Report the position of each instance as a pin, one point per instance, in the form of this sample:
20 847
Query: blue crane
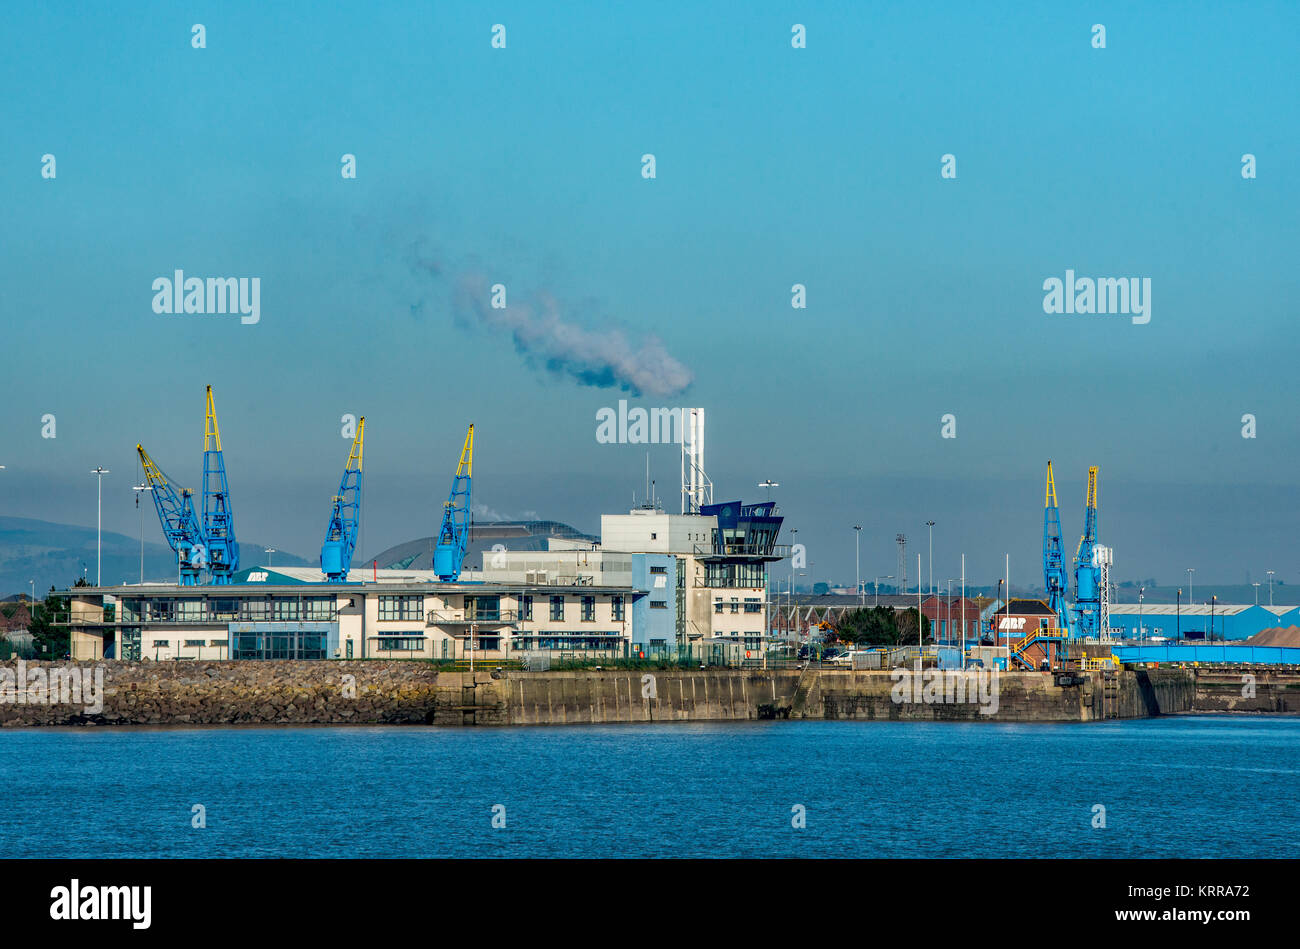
179 523
1055 579
453 536
1087 574
341 535
218 518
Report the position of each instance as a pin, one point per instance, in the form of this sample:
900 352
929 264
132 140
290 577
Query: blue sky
775 166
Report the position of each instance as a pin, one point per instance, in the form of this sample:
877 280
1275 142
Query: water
1176 787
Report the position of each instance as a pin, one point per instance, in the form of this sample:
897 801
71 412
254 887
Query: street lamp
877 585
269 551
1256 586
99 471
1270 588
930 525
1141 590
857 559
1191 590
769 484
1178 616
138 489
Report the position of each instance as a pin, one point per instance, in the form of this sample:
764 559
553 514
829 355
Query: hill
57 555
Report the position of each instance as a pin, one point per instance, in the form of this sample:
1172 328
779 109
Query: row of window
227 609
587 607
753 604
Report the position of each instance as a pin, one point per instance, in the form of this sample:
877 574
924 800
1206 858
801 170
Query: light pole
269 552
878 579
1178 616
949 620
794 536
1141 590
138 489
857 560
769 484
1191 590
32 601
930 525
1256 586
1270 588
99 471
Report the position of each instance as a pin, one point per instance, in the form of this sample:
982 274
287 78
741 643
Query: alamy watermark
59 685
1102 295
978 686
638 426
212 295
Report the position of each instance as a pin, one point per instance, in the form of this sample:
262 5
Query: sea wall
1259 691
404 692
396 692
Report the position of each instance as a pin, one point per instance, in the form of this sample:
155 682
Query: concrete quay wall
405 692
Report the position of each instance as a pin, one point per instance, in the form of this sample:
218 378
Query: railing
459 617
775 551
1099 664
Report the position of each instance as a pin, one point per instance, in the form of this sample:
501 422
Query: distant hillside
57 554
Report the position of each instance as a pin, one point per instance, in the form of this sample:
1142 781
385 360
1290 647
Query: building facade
282 614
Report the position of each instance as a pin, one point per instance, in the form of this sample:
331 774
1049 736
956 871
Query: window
161 611
735 605
293 644
194 642
405 642
557 609
589 609
189 611
658 604
285 610
658 569
526 607
400 607
753 604
162 644
318 608
216 642
223 610
717 605
616 608
483 607
254 611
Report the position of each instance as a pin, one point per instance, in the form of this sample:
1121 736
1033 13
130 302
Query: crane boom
341 534
453 536
218 517
1087 595
179 523
1055 579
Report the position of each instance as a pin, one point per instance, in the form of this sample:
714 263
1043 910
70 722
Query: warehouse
1221 621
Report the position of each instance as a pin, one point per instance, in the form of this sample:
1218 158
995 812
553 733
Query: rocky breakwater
221 693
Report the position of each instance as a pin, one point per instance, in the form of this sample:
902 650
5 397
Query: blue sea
1172 787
